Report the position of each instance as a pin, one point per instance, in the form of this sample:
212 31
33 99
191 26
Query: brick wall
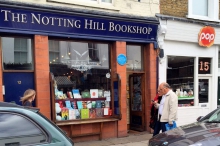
42 74
133 7
151 80
121 70
178 8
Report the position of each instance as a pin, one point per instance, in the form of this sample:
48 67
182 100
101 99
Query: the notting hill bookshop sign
34 22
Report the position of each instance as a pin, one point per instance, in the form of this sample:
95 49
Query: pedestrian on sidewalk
154 111
28 97
167 108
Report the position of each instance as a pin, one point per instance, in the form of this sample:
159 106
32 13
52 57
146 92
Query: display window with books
81 81
180 76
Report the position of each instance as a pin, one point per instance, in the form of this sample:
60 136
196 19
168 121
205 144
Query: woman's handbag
168 127
153 121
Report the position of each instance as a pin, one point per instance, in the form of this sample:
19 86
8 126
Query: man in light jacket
167 108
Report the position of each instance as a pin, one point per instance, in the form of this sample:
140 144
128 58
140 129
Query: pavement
134 138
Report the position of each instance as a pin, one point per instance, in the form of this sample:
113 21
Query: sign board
121 59
206 36
204 65
75 25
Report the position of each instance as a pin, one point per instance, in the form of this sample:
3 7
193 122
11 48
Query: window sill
93 5
202 18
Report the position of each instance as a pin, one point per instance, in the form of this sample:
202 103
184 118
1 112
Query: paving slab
134 138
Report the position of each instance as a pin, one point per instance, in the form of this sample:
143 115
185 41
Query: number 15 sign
204 65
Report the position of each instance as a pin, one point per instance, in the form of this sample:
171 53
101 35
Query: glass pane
218 59
17 57
77 74
23 58
107 1
203 90
200 7
17 53
23 131
180 76
134 58
136 93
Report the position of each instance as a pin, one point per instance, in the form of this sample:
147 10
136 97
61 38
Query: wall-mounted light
162 29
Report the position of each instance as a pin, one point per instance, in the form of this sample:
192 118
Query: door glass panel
136 95
203 90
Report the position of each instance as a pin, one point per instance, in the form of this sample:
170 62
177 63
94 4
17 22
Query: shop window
26 133
17 53
180 76
134 58
82 81
218 59
54 51
203 9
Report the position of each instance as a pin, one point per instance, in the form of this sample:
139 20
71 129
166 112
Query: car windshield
213 117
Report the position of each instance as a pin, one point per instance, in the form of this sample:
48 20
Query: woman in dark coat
154 112
28 97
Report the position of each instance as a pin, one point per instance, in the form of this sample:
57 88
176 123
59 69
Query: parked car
204 132
27 126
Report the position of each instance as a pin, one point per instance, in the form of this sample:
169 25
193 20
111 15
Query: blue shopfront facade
76 25
41 23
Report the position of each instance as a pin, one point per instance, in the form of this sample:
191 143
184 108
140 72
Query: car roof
9 105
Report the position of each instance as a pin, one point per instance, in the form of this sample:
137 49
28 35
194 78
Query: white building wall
181 39
132 7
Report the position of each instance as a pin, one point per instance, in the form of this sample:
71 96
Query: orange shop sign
207 36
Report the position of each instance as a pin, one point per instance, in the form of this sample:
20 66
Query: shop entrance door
136 94
15 84
204 90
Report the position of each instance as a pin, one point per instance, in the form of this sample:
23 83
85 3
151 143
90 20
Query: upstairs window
203 9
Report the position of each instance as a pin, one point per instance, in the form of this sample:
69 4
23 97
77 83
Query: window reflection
134 58
14 125
180 76
84 65
203 90
17 53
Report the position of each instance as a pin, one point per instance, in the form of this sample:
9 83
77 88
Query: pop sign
207 36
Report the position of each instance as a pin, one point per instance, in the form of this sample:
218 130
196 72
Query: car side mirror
199 118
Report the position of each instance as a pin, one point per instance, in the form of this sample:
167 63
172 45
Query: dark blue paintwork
13 90
54 24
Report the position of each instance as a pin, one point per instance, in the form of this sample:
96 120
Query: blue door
15 85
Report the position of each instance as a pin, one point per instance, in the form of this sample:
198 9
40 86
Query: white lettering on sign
207 36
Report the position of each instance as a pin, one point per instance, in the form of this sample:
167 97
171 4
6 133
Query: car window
18 130
212 116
